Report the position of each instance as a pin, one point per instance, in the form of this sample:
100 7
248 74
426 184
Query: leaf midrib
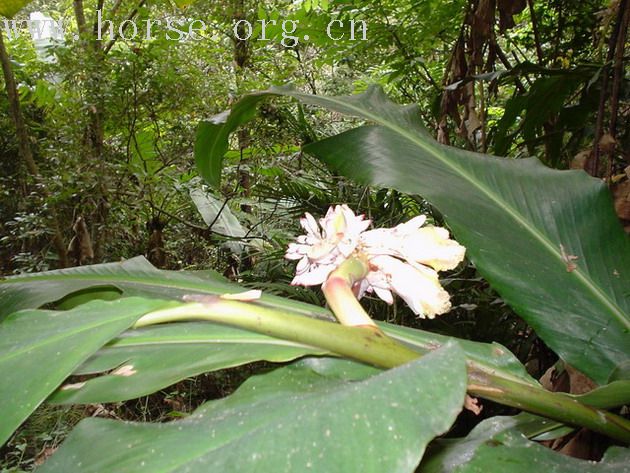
244 341
595 289
205 287
64 335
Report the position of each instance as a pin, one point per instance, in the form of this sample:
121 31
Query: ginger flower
323 249
403 260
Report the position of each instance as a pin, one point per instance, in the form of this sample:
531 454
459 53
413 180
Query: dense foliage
189 149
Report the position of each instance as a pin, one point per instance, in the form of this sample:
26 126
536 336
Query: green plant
533 232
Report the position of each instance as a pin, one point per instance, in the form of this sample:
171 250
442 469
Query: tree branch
131 16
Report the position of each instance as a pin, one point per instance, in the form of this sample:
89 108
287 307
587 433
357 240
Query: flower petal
410 226
404 259
427 245
296 251
310 224
384 294
419 287
302 266
432 246
315 276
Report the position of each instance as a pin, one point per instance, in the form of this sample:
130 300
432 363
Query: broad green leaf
134 277
211 142
138 277
500 444
298 418
40 348
214 212
534 233
9 8
491 357
614 394
163 355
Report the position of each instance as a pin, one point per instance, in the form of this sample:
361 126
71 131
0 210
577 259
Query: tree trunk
94 131
24 143
242 57
16 111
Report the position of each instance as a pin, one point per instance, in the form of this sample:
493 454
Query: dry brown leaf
44 455
481 28
579 383
81 244
507 9
607 143
580 160
472 404
621 196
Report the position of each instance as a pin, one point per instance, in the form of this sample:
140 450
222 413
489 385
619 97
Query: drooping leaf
545 98
534 233
39 349
138 277
309 416
214 212
134 277
211 142
501 444
491 356
163 355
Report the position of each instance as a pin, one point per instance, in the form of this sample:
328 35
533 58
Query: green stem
373 347
338 292
557 406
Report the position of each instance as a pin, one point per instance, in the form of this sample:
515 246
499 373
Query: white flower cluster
404 259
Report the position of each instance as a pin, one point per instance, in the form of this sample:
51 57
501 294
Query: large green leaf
489 357
308 417
138 277
179 344
211 142
500 444
186 352
39 349
163 355
219 218
9 8
548 241
134 277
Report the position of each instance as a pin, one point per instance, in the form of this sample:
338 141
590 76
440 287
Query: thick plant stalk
373 347
338 292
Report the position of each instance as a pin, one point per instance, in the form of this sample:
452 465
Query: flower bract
404 260
326 245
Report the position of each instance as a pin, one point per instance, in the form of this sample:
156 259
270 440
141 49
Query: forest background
98 134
